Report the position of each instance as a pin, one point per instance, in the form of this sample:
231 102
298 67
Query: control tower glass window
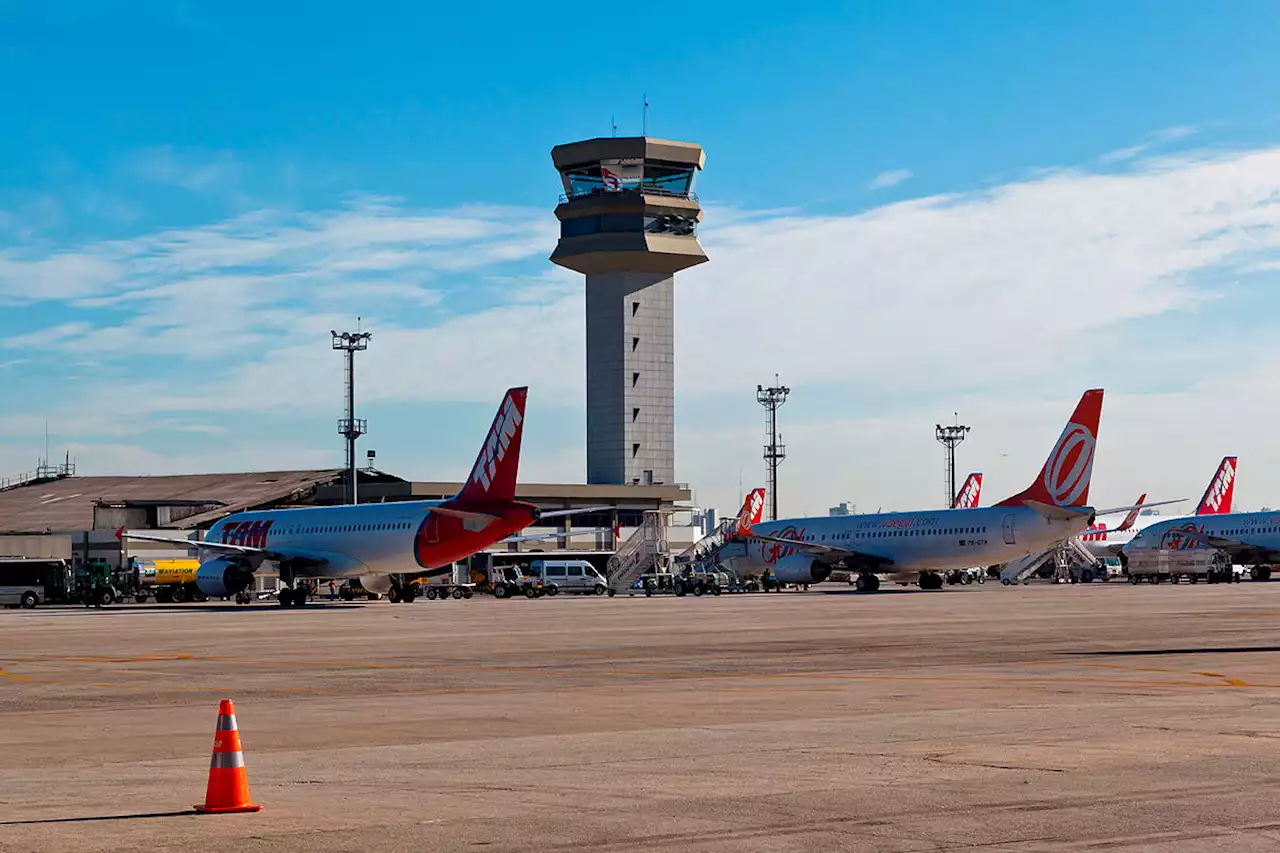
667 180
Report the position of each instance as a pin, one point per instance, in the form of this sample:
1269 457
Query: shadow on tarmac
1234 650
99 817
201 608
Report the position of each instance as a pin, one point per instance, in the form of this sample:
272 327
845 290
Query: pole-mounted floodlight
351 427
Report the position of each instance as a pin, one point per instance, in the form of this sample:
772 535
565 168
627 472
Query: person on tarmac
333 592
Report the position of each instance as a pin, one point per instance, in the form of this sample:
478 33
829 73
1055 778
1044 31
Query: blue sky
912 208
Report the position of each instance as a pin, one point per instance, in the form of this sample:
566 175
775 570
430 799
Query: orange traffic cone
228 789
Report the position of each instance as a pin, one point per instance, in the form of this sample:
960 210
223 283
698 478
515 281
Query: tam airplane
374 542
1247 537
1217 500
967 497
917 544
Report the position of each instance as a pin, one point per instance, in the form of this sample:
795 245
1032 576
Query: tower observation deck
628 221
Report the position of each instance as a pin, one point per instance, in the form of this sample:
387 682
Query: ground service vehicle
568 576
27 583
168 581
1194 565
510 581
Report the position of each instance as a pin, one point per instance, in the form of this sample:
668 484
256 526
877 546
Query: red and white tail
1064 479
752 511
1222 488
967 497
1132 517
493 477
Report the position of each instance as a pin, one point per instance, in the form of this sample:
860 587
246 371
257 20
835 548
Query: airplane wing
1131 507
294 555
562 512
557 534
827 553
196 543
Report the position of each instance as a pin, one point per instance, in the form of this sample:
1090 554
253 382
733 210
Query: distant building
844 508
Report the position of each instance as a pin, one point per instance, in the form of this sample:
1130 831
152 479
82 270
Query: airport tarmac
1034 718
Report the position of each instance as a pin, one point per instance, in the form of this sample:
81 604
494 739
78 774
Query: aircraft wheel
393 595
1260 573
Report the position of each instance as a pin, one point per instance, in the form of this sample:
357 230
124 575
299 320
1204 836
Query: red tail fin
1064 479
1133 514
1222 488
967 497
752 511
493 477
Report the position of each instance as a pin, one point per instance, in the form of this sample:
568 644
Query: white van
569 576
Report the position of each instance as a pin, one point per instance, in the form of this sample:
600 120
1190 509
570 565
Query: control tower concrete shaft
629 221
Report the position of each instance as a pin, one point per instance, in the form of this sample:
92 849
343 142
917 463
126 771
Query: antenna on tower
645 122
613 120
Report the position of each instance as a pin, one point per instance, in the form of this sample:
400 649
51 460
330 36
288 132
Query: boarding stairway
719 550
1070 559
646 550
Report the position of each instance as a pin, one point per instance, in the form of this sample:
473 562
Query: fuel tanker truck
169 581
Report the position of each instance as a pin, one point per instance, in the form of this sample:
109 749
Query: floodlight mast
351 427
775 451
950 437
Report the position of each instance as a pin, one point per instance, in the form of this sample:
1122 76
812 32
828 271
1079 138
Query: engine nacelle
378 584
222 578
801 568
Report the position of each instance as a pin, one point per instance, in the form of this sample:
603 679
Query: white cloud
971 302
889 179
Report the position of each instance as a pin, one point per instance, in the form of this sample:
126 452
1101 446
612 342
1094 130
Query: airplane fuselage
1258 531
370 539
912 542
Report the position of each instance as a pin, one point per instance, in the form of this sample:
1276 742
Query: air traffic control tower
629 221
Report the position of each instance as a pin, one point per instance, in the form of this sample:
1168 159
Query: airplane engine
222 578
801 568
379 584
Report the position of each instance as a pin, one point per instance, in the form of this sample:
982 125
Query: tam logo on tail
752 511
969 493
1222 488
493 477
1064 479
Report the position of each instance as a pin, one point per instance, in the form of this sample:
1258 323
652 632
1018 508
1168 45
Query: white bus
26 583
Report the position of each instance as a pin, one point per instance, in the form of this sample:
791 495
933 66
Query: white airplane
1249 538
376 542
1217 500
918 544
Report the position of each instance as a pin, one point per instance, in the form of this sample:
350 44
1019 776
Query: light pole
775 451
950 436
351 427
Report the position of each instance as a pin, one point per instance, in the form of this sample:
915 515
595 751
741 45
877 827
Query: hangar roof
67 504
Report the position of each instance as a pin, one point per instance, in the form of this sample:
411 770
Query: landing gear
393 595
866 582
1260 573
930 580
243 597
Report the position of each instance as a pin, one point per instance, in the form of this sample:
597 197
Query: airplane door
1008 530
